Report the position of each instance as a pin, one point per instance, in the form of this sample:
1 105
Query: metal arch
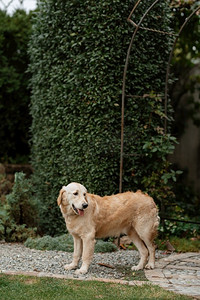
137 26
169 63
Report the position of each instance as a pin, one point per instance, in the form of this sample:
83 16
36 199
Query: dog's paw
137 268
149 266
69 267
81 271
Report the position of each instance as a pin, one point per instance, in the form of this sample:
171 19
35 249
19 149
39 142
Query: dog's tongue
81 212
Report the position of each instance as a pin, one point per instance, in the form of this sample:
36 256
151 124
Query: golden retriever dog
89 216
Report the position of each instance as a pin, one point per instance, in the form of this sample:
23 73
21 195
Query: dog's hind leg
77 253
151 247
132 234
149 236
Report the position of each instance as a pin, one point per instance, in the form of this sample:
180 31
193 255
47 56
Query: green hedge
78 50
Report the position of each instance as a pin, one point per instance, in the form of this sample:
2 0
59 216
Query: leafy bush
180 229
19 233
78 51
64 243
102 246
60 243
21 206
18 216
12 232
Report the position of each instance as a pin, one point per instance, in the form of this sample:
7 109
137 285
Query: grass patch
32 288
129 275
180 244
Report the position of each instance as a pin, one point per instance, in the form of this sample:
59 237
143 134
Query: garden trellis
138 26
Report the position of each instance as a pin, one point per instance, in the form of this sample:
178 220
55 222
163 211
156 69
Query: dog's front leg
77 253
88 251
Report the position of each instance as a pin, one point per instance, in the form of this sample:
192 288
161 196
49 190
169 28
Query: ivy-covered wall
78 50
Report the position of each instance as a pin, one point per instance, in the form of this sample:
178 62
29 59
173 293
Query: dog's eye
75 193
84 194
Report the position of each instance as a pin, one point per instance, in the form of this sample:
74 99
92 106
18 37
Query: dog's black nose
85 205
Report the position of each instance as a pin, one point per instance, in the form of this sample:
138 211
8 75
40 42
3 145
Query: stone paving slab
179 273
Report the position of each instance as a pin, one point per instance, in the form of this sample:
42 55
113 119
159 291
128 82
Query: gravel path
176 272
16 257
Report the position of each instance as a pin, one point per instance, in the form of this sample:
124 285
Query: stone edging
59 276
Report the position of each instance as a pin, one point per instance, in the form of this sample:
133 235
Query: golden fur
89 216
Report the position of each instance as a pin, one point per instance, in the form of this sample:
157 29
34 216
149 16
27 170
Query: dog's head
73 196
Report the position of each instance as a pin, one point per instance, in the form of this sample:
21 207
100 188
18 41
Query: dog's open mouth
78 211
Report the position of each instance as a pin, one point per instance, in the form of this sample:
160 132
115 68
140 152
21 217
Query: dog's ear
86 197
59 200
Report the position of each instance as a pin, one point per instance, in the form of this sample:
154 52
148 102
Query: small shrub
19 233
21 205
12 232
60 243
102 246
18 215
4 222
64 243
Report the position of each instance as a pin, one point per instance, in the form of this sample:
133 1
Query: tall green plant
22 208
78 51
18 214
